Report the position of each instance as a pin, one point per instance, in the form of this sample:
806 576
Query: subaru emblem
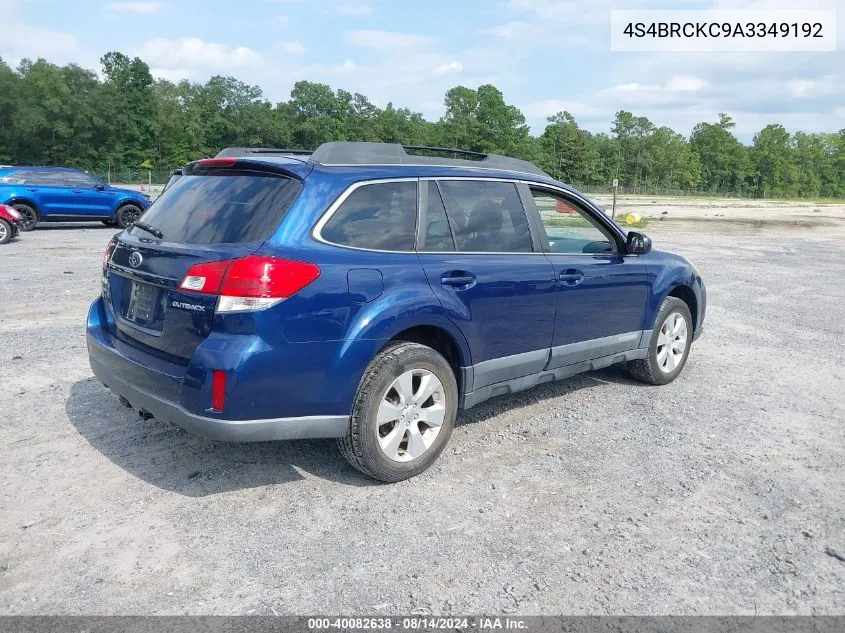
135 259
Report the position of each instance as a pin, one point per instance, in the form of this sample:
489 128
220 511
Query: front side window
568 227
80 180
379 216
486 216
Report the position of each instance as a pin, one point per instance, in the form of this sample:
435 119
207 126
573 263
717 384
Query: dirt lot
723 492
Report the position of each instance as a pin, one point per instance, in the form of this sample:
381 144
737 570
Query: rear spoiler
296 169
262 151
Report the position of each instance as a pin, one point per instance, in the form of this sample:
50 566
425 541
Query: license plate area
145 306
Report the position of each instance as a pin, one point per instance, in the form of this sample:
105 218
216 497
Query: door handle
571 277
458 279
77 191
31 189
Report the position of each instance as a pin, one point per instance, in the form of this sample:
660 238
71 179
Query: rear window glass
221 208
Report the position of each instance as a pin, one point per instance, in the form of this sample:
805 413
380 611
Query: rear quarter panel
17 193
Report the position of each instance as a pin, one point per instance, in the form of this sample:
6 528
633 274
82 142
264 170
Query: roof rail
234 152
360 153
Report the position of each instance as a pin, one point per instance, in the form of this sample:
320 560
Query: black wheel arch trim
25 201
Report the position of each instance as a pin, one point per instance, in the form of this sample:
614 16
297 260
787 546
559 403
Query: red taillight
107 253
250 283
205 278
217 162
218 390
256 276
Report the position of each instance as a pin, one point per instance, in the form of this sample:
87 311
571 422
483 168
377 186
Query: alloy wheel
28 218
129 214
410 415
671 342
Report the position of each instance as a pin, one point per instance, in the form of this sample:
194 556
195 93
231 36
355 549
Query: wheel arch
24 200
441 341
687 295
125 202
412 313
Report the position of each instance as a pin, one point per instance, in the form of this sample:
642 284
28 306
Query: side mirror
638 244
100 186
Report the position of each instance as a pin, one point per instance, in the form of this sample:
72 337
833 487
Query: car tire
29 216
669 347
397 383
127 214
6 232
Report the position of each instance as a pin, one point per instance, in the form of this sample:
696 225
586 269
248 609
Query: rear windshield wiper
149 228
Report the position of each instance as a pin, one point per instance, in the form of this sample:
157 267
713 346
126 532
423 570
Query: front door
88 196
602 293
479 258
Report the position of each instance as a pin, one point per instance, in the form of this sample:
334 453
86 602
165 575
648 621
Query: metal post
615 187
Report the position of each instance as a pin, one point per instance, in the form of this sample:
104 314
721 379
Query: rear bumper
157 393
109 373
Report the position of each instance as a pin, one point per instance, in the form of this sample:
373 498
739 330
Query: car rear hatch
219 211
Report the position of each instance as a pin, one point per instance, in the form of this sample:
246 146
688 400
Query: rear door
209 216
602 292
476 247
47 188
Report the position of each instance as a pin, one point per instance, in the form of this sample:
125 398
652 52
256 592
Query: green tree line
68 115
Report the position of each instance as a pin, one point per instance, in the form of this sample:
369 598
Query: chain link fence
663 191
139 177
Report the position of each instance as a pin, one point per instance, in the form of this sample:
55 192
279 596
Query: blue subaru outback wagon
367 293
60 194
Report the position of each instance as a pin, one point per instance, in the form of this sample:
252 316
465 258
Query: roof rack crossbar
446 150
362 153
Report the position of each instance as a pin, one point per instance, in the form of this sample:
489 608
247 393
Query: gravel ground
722 493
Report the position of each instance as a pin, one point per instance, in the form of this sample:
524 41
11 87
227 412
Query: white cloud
353 8
340 7
346 68
135 7
384 40
678 84
293 48
193 52
448 67
32 42
510 31
685 83
804 88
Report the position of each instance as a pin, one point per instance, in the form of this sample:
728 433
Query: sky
544 55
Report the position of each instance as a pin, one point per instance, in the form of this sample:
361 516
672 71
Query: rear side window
43 178
223 208
486 216
379 216
15 178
